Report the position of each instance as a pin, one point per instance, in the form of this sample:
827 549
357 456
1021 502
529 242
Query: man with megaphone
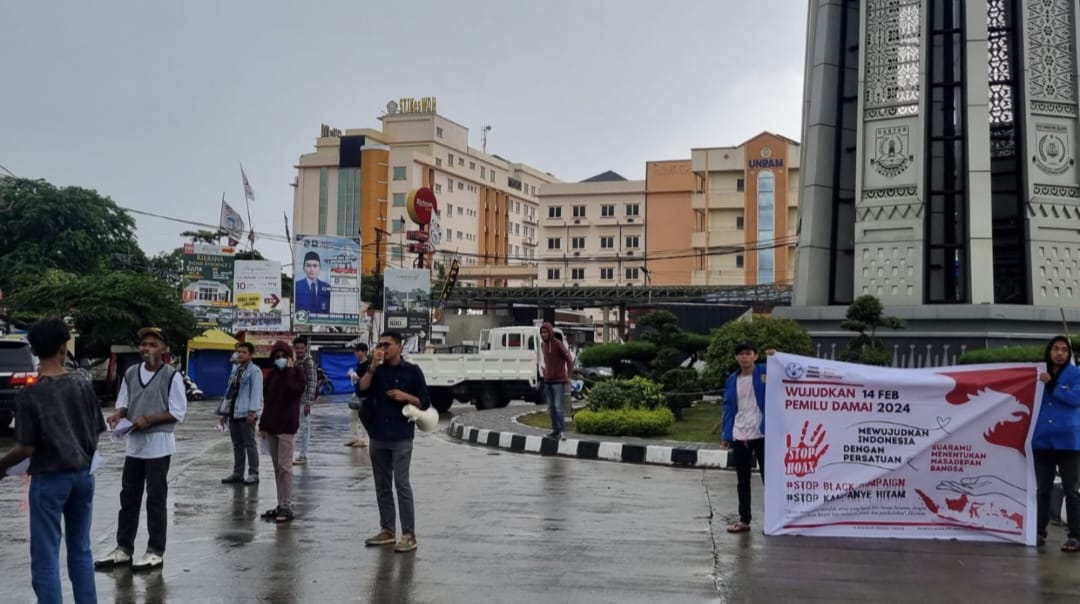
391 383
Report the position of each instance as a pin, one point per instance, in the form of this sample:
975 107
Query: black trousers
153 475
1047 462
745 452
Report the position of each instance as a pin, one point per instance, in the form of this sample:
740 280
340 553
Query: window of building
577 243
438 162
577 274
633 209
492 176
555 212
517 228
399 172
461 161
460 210
766 184
607 243
460 186
740 185
449 234
450 159
450 185
396 253
579 211
633 242
399 226
399 200
554 243
553 274
472 165
632 274
438 131
483 171
607 211
532 190
449 209
739 223
739 261
607 274
438 188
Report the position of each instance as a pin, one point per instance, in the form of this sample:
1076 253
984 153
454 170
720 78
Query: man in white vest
152 398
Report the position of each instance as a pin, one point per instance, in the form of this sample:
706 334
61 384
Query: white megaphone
427 420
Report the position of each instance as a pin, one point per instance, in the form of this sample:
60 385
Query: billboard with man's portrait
326 281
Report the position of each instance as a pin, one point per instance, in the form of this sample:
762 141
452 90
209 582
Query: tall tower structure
939 154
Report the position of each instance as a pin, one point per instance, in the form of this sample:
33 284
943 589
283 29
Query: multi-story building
669 220
592 233
746 212
357 182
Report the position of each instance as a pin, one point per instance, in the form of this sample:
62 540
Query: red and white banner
862 451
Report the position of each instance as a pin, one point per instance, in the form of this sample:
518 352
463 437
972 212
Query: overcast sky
156 104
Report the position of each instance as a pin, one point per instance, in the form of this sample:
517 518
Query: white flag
231 222
249 193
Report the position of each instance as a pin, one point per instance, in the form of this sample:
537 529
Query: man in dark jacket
282 389
1055 442
558 370
390 382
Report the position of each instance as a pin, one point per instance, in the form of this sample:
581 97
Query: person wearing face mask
282 390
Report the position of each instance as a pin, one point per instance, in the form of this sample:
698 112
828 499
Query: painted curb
591 449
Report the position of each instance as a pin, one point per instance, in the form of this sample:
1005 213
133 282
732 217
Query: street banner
407 301
326 280
259 305
207 282
862 451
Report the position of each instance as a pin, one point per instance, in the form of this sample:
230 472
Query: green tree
168 267
781 334
865 316
204 236
73 229
107 308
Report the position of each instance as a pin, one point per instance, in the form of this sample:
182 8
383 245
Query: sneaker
407 543
383 538
299 461
230 479
148 561
251 480
117 557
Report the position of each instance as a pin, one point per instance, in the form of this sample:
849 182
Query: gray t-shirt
61 419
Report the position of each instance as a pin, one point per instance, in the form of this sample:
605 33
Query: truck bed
484 366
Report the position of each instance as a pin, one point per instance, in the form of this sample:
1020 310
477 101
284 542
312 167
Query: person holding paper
239 411
153 394
57 427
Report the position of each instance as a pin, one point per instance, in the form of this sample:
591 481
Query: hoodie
558 363
1058 425
282 390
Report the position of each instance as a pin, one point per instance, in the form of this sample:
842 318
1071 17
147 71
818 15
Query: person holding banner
1055 442
744 425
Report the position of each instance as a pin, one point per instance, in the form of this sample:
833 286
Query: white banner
862 451
259 305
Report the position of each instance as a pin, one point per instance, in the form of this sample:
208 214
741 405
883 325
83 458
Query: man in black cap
153 400
312 295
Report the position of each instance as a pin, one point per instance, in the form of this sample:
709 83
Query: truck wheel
502 403
441 399
488 399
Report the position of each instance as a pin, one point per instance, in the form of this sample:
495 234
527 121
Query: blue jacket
387 422
1058 425
249 397
731 399
313 302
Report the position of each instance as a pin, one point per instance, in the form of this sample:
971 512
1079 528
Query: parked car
18 370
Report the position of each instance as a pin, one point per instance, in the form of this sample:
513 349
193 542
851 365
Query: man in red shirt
558 369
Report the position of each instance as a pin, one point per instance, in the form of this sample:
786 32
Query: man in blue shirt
1055 443
390 383
312 295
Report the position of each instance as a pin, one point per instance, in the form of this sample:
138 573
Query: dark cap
745 346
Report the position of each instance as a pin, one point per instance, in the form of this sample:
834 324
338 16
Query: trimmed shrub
635 393
680 385
1003 354
624 422
784 335
613 354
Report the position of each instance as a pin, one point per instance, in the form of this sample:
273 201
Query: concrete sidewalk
500 428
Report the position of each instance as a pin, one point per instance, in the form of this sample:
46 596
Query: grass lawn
694 426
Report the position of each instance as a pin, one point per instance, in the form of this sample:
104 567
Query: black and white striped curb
591 449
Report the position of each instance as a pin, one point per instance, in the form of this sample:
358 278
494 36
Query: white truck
507 367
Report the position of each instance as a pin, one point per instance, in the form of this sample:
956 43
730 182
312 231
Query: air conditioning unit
577 253
630 220
630 253
577 221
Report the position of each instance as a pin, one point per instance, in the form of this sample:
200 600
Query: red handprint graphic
803 458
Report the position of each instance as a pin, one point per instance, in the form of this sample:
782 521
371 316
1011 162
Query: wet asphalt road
505 527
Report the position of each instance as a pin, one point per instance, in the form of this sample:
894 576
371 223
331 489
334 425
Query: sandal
269 514
738 527
284 515
1072 545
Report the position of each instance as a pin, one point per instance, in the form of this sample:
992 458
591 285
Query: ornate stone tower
939 154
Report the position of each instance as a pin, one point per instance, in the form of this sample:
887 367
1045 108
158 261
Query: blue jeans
303 436
53 494
554 392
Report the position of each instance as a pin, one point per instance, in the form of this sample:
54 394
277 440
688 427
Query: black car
18 369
